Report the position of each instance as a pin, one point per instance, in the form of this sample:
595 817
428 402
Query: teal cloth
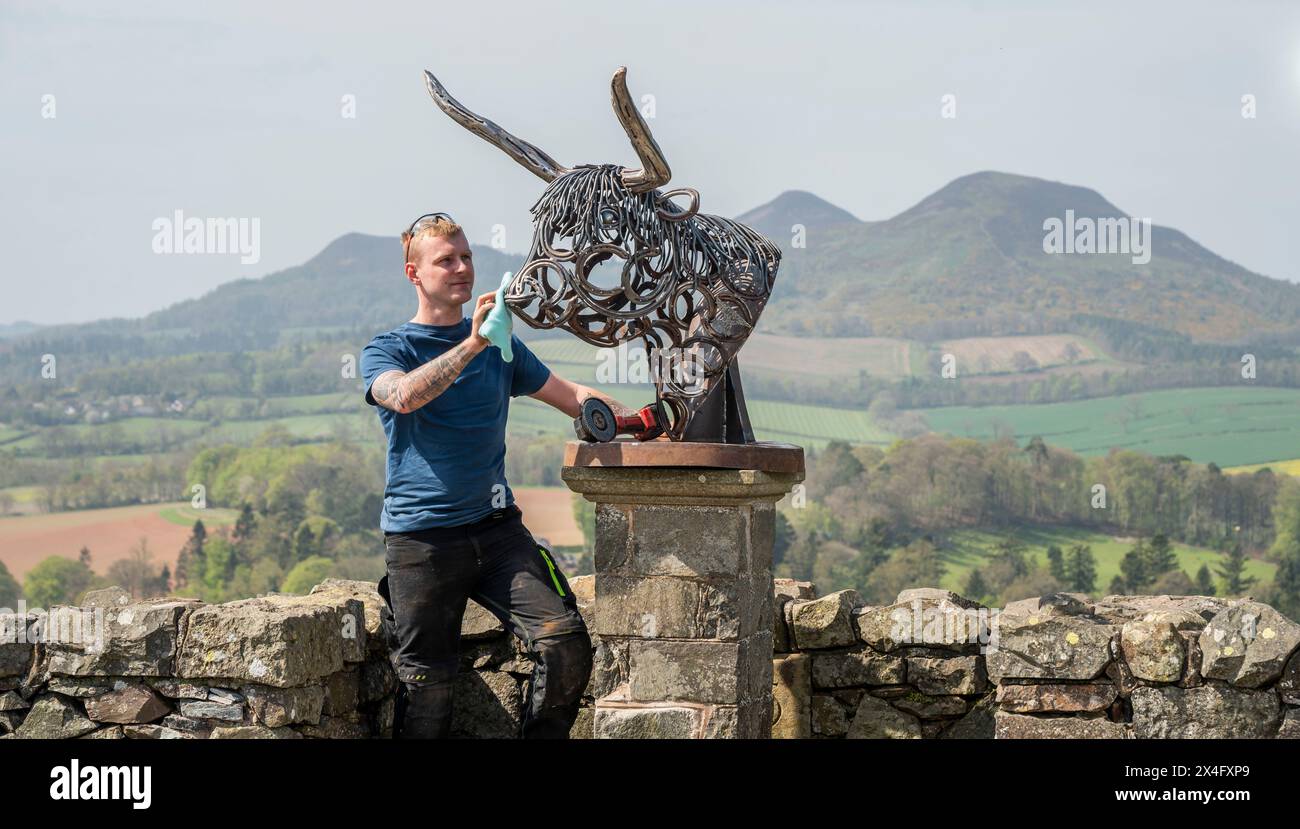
496 328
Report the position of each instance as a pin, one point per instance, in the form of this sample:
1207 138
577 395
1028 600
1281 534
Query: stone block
828 717
1153 650
854 667
274 707
923 621
613 552
342 692
948 675
54 718
792 697
1212 711
137 640
583 724
488 705
610 666
658 722
1248 644
1008 726
1117 610
1289 684
928 707
372 605
675 608
1049 647
205 710
275 640
826 622
132 703
978 723
876 719
751 721
706 672
794 589
479 623
253 732
694 542
1056 698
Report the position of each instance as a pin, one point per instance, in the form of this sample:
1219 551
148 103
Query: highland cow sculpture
689 285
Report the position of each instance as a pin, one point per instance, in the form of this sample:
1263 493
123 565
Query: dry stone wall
936 665
930 665
272 667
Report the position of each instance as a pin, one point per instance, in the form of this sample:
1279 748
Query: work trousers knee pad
563 670
423 709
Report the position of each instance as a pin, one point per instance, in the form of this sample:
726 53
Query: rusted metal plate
766 457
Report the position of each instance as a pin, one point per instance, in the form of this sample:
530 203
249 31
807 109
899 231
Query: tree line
878 519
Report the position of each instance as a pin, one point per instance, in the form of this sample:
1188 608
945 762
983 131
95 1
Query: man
451 528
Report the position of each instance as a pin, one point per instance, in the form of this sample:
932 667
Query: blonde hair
429 229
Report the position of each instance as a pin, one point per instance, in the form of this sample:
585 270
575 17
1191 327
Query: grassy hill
778 218
1227 426
969 259
350 290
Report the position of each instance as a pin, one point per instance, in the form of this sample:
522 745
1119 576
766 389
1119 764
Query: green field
1288 467
806 425
1230 427
1240 427
879 357
210 516
970 549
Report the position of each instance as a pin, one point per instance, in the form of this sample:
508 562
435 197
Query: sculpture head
614 259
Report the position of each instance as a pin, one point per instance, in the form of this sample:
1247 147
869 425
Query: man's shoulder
392 335
395 342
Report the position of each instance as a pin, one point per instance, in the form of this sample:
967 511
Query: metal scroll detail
615 260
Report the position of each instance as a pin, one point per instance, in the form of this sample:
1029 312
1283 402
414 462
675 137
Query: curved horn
654 168
541 164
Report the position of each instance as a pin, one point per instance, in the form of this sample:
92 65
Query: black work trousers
497 562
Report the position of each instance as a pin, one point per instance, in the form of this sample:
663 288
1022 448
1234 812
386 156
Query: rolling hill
969 260
352 287
796 207
965 261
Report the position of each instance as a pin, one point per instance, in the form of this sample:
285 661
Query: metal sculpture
691 286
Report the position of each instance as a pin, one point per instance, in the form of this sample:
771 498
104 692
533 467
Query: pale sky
234 109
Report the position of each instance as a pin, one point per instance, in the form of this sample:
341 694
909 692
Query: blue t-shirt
447 459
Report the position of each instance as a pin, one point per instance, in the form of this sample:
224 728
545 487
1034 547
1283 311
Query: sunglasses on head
410 231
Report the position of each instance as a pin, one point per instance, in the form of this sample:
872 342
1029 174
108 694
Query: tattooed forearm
406 392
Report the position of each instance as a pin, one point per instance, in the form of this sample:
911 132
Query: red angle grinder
597 423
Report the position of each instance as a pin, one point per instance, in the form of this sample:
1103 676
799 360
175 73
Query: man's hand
482 306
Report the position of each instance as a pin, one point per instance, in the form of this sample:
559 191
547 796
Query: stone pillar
683 560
